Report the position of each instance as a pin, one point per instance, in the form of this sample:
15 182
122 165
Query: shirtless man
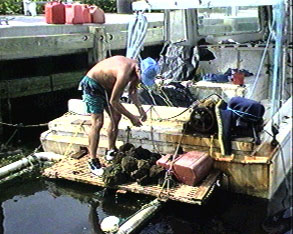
102 88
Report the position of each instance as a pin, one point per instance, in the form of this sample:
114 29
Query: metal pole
278 14
285 51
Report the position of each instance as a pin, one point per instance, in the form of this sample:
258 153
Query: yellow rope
152 130
211 151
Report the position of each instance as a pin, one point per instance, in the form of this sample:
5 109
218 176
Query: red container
97 14
86 14
238 78
73 14
189 168
55 13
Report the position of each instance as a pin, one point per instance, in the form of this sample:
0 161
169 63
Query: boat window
177 30
228 20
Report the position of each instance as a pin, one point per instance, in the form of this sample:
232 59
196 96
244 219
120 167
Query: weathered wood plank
100 45
251 179
48 45
124 27
66 80
24 87
27 55
118 40
41 84
77 170
166 132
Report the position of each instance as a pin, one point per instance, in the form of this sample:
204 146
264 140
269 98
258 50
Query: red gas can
55 13
86 14
238 78
73 14
97 14
189 168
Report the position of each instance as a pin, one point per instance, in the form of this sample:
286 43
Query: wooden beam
47 45
99 51
124 27
118 40
41 84
24 87
100 45
66 80
166 134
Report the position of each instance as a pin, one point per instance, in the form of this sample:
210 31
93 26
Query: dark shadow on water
66 207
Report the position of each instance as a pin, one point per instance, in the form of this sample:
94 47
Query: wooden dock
27 37
30 37
77 170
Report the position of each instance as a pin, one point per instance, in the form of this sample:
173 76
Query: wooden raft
77 170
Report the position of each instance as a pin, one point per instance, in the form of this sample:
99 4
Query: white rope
261 64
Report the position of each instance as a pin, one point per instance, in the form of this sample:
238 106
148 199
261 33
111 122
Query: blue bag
149 69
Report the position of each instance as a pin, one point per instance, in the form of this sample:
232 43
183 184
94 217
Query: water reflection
101 202
279 218
87 197
64 207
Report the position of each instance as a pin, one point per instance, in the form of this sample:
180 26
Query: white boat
261 30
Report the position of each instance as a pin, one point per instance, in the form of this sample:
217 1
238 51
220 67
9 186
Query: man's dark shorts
93 95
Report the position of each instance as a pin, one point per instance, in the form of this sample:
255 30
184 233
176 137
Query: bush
108 6
12 7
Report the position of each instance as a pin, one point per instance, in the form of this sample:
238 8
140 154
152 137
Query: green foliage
108 6
12 7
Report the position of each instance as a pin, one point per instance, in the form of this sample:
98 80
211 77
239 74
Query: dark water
46 206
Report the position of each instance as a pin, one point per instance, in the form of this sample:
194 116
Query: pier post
99 51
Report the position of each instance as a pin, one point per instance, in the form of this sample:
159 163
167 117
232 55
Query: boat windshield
228 20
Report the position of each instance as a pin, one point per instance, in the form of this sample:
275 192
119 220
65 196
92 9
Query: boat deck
78 171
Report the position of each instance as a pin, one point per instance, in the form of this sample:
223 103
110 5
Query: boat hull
251 169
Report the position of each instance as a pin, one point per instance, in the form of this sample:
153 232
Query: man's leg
113 128
94 137
97 121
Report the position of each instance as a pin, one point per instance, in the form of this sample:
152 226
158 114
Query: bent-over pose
102 88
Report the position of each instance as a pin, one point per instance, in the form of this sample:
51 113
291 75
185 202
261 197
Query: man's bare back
109 70
114 74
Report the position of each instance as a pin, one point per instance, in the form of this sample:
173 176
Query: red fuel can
189 168
238 78
97 14
73 14
55 13
86 14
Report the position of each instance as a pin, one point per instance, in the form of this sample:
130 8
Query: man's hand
135 121
143 115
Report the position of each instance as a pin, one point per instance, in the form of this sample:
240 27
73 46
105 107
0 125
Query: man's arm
133 96
122 80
